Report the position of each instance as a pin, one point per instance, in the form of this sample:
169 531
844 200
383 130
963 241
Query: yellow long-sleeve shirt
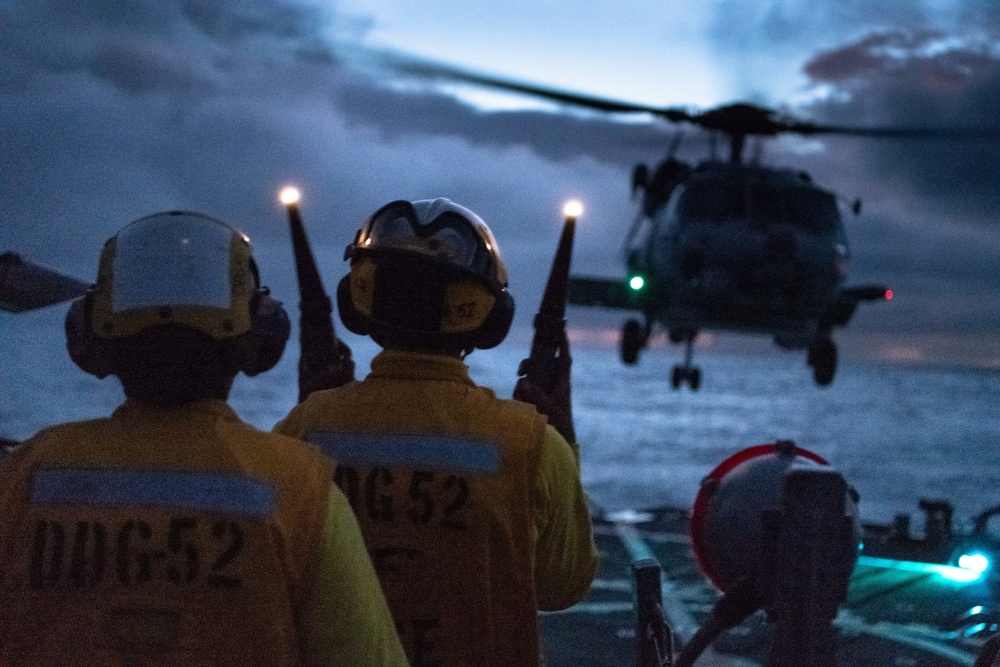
471 506
182 536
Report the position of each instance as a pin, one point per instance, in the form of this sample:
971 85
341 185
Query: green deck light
949 572
975 561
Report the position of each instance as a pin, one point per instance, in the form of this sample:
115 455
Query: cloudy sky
110 110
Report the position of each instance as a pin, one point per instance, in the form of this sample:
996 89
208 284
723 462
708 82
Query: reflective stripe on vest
198 491
427 452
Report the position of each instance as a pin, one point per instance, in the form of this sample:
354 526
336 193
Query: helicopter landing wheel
631 342
685 374
822 356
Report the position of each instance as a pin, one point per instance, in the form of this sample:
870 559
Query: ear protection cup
259 349
269 331
354 321
491 333
497 323
91 353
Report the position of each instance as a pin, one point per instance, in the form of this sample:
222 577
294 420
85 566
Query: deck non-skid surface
893 616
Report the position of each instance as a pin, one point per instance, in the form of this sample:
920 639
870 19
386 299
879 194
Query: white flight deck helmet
177 268
428 272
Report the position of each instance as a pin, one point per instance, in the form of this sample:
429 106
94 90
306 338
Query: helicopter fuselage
745 249
740 248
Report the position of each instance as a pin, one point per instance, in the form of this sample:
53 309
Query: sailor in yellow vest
172 533
471 505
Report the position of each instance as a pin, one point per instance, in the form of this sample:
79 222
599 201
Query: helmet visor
450 237
164 261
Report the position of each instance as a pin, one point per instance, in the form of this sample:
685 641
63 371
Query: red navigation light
888 295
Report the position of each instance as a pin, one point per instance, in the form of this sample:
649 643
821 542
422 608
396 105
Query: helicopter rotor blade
427 69
734 120
952 133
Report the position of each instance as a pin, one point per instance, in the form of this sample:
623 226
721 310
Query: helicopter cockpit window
712 201
809 209
768 204
812 209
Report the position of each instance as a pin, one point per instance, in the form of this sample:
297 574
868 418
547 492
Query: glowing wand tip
290 196
573 209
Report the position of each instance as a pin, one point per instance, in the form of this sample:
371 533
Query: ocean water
897 433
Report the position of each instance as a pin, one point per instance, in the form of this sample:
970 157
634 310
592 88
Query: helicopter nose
691 263
776 276
780 245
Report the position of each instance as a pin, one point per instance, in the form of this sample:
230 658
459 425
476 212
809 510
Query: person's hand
316 377
556 404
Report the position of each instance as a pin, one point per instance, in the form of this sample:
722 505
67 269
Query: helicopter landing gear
634 337
822 356
686 373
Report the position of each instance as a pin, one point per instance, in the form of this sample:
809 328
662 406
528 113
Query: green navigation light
636 283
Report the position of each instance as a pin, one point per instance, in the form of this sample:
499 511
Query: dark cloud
235 20
755 42
925 78
792 25
146 68
554 136
928 59
113 111
110 116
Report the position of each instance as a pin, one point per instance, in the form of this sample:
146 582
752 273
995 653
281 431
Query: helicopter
725 244
733 246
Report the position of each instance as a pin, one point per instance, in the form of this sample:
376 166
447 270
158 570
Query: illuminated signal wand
547 366
324 360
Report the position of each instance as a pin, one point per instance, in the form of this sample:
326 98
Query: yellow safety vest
441 475
158 536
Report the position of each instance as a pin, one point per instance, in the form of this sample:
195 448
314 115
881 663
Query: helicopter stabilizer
602 292
844 307
28 286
